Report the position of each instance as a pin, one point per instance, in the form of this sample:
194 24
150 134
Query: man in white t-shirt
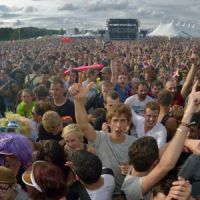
138 101
88 169
148 125
146 168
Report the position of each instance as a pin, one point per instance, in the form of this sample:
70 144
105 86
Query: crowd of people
128 130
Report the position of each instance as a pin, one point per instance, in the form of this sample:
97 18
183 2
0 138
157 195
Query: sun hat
28 176
7 176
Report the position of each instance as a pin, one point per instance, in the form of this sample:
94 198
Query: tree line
26 33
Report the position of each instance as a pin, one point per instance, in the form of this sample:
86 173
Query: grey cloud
94 13
4 8
46 19
105 5
58 22
30 9
50 22
68 6
16 9
10 15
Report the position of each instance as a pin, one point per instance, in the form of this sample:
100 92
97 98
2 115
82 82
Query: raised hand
194 58
78 91
105 127
194 100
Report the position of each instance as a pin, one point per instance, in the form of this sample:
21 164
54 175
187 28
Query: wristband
180 130
185 124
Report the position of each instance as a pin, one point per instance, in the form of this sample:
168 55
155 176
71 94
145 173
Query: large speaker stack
123 29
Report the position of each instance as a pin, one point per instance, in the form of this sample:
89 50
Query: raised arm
190 77
79 92
175 147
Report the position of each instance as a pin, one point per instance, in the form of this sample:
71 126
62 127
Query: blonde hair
72 128
50 119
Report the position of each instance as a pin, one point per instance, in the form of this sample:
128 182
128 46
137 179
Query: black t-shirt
44 135
67 109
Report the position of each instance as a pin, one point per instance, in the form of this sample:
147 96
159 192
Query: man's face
171 87
142 92
151 117
110 102
155 90
122 80
118 125
56 91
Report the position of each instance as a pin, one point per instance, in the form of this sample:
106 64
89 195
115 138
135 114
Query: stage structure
123 29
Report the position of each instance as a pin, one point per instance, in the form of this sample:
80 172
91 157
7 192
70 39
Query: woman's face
26 97
73 141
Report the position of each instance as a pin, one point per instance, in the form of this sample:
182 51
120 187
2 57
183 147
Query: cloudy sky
91 14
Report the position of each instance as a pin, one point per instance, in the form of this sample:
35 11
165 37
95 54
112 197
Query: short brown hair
152 105
42 106
119 109
57 80
142 83
143 153
165 98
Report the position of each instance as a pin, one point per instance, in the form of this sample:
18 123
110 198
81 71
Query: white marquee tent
175 30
